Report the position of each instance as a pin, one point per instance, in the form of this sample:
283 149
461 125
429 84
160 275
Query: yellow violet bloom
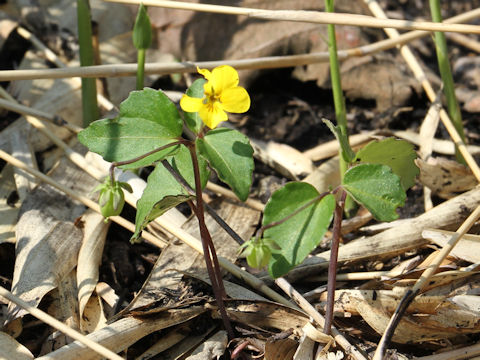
222 94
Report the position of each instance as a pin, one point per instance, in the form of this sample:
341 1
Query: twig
84 200
254 204
309 16
47 319
318 318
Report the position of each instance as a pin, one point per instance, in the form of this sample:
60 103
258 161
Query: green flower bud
258 252
112 198
142 30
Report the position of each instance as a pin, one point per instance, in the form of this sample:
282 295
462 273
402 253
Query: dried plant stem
465 41
47 319
254 204
83 199
255 63
309 16
318 318
25 110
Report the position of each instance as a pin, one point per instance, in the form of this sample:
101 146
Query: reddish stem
211 260
332 266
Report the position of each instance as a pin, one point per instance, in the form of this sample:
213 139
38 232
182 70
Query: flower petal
212 114
223 77
190 104
205 73
235 100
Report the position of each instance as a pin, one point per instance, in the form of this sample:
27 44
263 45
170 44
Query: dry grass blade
309 16
59 325
254 63
25 110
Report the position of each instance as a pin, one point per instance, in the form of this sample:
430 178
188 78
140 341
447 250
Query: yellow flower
222 94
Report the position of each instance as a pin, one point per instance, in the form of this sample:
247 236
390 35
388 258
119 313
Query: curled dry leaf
464 248
46 252
90 255
445 177
12 349
440 313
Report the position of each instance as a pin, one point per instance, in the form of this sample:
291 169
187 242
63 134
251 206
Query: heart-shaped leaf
153 105
229 152
301 233
398 154
147 120
125 139
377 188
161 194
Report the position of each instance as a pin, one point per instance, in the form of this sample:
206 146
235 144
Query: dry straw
115 70
310 16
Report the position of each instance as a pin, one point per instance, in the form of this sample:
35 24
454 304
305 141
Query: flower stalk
447 78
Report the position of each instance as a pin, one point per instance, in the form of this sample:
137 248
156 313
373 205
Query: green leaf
377 188
347 153
142 30
398 154
193 120
161 194
301 233
125 139
229 152
182 163
147 121
153 105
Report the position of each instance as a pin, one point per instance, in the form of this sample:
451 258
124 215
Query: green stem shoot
338 98
140 68
447 78
87 58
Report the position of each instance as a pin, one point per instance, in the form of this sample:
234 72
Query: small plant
297 217
148 131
